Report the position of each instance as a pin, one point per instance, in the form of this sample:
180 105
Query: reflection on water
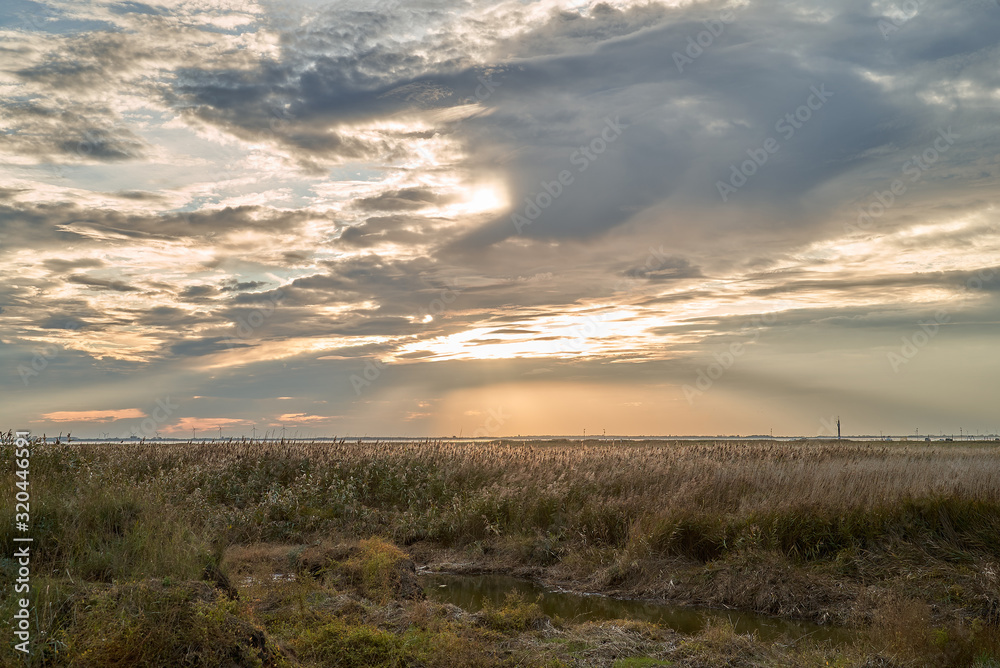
470 591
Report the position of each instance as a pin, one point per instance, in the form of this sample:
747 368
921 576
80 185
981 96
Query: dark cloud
62 321
352 94
77 135
198 292
65 266
101 283
382 229
657 269
43 225
141 195
955 280
169 317
204 346
561 82
402 200
237 286
133 8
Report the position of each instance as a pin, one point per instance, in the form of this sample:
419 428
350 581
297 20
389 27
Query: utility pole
838 427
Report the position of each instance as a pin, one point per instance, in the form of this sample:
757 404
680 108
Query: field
154 554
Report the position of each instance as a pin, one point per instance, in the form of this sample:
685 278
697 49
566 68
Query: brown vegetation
900 540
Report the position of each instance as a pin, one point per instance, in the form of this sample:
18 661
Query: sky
499 218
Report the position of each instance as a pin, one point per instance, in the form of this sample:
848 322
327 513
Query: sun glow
480 199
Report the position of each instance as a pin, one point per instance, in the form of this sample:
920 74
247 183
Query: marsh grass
120 515
699 500
142 624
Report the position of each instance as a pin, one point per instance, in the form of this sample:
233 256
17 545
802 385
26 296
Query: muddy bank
476 593
375 583
850 595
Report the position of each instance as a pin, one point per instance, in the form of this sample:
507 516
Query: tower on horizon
838 427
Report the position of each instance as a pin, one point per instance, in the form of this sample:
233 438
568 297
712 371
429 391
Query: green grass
515 615
122 533
144 624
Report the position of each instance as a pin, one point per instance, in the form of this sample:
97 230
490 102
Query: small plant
380 570
516 615
337 643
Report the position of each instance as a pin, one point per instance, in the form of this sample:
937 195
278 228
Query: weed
516 615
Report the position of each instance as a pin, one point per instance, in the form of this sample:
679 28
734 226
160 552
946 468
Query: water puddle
469 592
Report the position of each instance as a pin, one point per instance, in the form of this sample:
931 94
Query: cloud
401 200
94 416
61 266
348 177
62 321
117 286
